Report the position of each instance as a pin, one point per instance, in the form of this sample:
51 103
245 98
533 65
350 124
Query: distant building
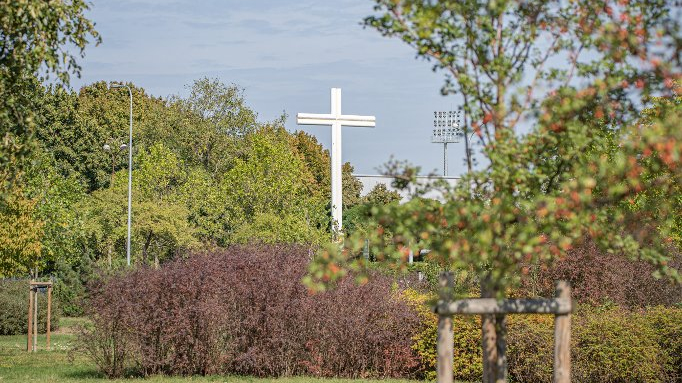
369 181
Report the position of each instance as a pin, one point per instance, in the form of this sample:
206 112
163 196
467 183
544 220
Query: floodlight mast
447 128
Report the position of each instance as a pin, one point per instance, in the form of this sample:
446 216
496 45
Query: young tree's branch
531 87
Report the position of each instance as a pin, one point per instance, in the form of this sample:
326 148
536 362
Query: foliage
161 227
69 287
37 225
78 125
318 161
355 217
14 303
466 362
548 88
598 277
20 245
539 192
251 316
608 344
380 195
531 347
271 179
34 35
613 345
666 322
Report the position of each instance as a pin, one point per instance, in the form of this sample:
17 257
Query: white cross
336 120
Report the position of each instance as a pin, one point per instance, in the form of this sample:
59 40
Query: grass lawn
17 365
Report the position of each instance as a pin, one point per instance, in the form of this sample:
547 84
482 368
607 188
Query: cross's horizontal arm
328 119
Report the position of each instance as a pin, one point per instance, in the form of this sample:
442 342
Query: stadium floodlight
447 128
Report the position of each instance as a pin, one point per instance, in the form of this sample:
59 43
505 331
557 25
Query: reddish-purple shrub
598 277
244 311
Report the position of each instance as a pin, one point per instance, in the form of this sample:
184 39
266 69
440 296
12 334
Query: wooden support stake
445 338
30 318
49 314
36 322
488 335
501 346
562 338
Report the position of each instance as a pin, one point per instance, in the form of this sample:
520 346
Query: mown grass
55 366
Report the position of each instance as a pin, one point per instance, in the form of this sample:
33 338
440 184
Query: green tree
34 36
319 163
39 227
380 195
20 234
358 217
214 119
270 179
77 125
162 225
161 228
574 74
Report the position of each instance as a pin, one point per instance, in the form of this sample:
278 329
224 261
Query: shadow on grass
83 373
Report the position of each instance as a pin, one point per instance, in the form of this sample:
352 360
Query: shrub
69 287
613 345
14 308
667 323
244 311
467 356
608 345
598 278
530 343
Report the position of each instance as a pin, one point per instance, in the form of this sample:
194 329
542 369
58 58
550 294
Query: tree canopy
37 38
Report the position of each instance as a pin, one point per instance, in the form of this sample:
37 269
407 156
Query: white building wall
369 181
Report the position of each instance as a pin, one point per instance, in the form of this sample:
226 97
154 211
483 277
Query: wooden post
488 338
30 318
445 339
49 314
562 338
36 322
501 348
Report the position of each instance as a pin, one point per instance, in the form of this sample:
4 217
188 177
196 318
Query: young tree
547 88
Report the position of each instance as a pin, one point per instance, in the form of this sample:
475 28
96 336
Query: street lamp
130 167
446 129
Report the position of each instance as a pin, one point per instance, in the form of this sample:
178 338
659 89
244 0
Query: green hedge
14 308
607 345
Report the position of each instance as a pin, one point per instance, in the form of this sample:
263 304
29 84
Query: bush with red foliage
245 311
598 277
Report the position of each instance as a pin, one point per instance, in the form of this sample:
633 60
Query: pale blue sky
286 54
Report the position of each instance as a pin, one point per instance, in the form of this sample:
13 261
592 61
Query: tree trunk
109 254
145 248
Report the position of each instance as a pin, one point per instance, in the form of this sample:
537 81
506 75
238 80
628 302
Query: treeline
206 173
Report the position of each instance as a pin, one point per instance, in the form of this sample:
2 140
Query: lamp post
446 129
130 167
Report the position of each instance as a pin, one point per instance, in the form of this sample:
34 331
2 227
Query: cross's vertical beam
336 162
336 120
